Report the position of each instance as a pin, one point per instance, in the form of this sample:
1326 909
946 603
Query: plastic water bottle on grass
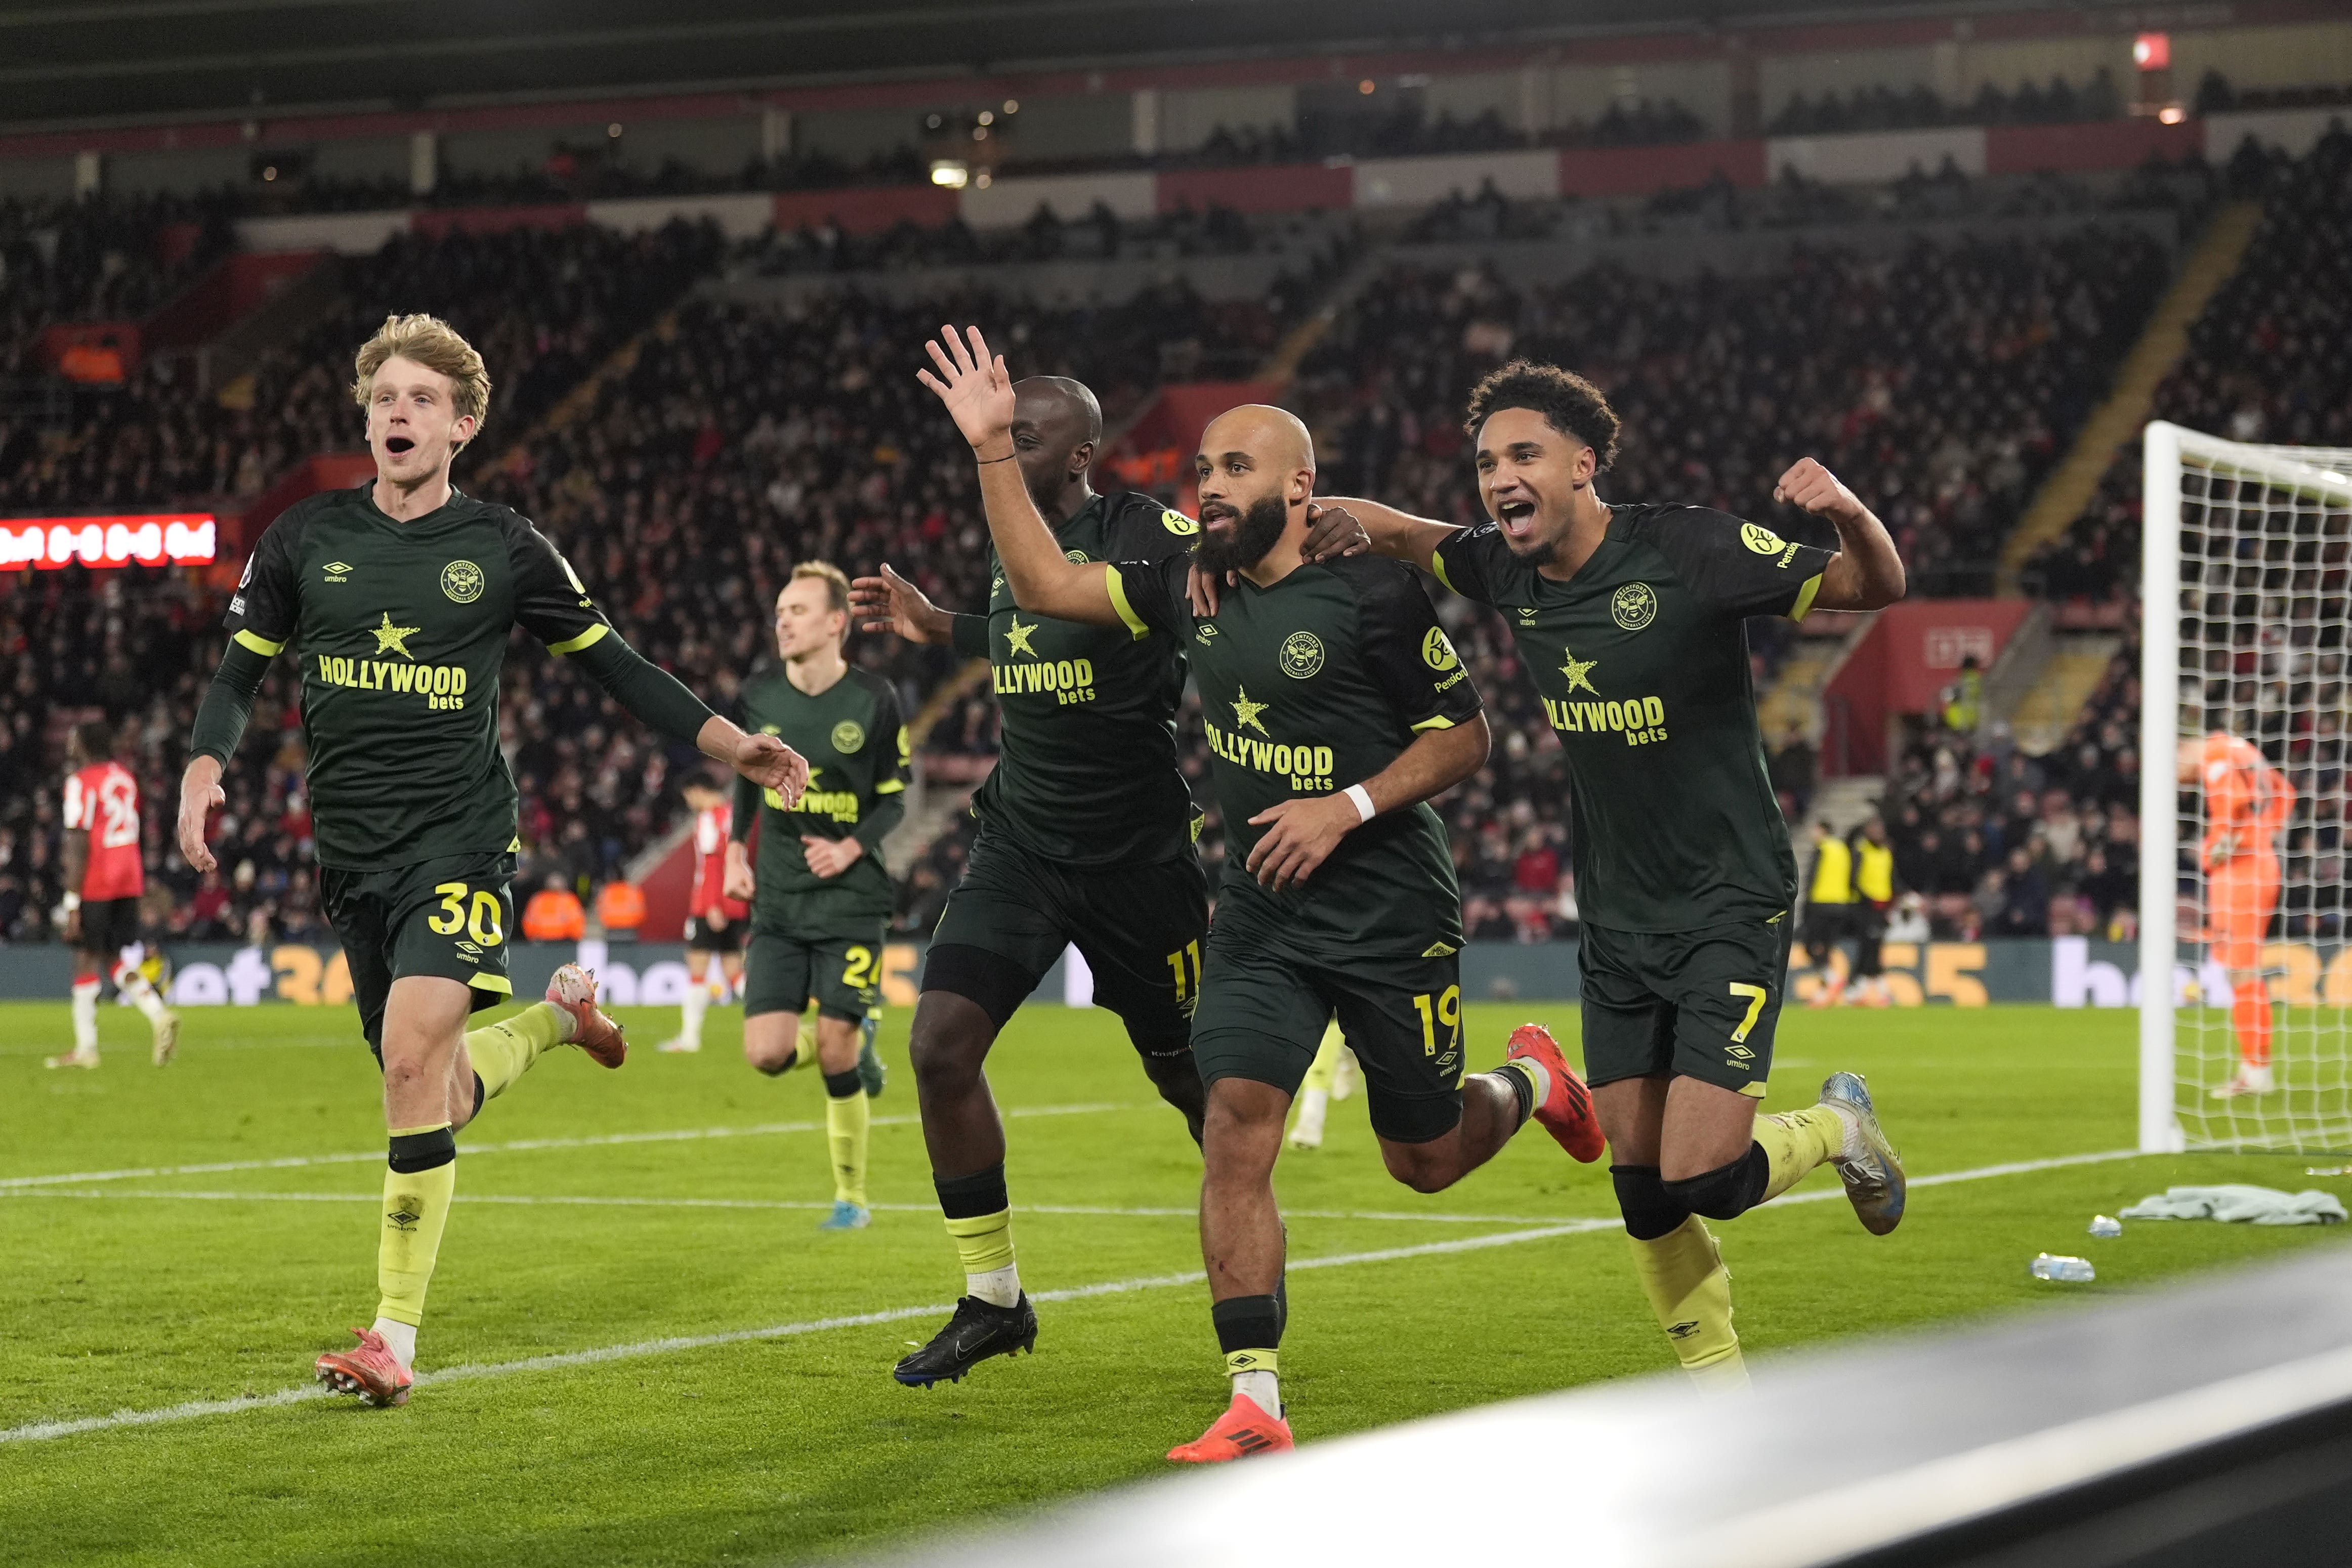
2071 1271
2105 1227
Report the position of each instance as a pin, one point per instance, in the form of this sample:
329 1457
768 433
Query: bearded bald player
1087 835
1335 708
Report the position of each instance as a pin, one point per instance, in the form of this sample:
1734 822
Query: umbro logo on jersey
468 949
338 571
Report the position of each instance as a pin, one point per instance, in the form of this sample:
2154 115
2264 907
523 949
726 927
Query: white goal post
2243 633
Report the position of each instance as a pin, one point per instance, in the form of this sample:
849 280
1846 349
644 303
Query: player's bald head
1058 408
1273 438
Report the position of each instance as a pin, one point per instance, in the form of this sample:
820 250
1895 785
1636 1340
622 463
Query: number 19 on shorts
1441 1020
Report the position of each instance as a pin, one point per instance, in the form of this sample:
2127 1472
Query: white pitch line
567 1199
518 1145
39 1431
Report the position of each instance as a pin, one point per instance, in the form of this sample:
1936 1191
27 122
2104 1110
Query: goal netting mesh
2243 605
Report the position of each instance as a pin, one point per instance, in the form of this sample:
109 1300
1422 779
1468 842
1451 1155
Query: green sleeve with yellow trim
650 693
890 752
228 701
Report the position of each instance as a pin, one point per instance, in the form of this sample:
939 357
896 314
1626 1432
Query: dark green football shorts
844 974
1138 928
1263 1013
447 917
1700 1004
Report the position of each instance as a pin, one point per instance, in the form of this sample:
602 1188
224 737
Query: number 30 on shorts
480 921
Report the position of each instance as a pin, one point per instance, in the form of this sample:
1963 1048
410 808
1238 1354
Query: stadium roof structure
98 61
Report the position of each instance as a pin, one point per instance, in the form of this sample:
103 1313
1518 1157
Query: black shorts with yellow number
446 917
844 974
1138 928
1262 1014
1700 1004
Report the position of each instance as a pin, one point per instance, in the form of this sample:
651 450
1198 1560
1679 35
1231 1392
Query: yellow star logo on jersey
1575 670
1245 712
394 639
1016 637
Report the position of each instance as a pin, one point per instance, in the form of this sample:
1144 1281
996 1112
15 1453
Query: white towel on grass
2248 1205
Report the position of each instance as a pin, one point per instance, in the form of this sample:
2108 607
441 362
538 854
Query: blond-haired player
397 598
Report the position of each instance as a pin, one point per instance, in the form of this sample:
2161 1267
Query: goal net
2242 870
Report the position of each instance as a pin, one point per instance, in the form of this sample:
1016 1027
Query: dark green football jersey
1307 687
856 749
1642 662
1087 770
401 630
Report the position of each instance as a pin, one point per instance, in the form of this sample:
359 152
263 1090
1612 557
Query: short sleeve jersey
1641 659
1087 774
102 800
401 628
708 894
1307 686
856 749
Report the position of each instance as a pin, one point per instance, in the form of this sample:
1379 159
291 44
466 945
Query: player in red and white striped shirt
715 923
104 876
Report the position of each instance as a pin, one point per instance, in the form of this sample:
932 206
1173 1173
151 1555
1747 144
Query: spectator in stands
555 915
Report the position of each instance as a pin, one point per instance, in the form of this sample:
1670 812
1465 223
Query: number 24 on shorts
483 925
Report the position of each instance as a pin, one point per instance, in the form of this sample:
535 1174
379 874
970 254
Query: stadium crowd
2265 360
741 437
1884 108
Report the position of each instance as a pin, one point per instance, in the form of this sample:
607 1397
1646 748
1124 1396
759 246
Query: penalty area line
42 1431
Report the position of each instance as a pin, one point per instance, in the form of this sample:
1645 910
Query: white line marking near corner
39 1431
518 1145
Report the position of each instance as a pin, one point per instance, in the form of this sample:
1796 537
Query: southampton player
1087 832
714 922
2247 804
1630 619
820 896
398 596
1335 708
104 880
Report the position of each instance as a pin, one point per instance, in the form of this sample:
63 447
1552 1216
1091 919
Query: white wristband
72 902
1363 800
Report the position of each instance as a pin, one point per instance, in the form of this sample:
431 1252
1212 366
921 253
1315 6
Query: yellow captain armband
587 638
260 644
1118 601
1804 604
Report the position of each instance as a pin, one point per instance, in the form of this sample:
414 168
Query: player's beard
1254 533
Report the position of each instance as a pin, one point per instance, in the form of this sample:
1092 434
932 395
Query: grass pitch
217 1232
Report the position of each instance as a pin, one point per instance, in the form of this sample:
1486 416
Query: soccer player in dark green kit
820 896
1336 708
1087 835
397 596
1630 621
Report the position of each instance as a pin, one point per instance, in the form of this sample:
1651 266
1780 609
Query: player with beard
1335 708
1630 618
1087 835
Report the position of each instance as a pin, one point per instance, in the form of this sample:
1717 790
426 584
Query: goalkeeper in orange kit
2247 802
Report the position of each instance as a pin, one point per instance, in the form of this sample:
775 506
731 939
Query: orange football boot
1242 1430
372 1371
572 990
1566 1111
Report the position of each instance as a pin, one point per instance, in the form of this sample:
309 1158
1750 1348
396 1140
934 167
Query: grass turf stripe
39 1431
518 1145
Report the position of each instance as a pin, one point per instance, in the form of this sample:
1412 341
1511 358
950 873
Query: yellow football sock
1796 1143
846 1119
984 1241
1683 1274
504 1050
415 1208
1325 1071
